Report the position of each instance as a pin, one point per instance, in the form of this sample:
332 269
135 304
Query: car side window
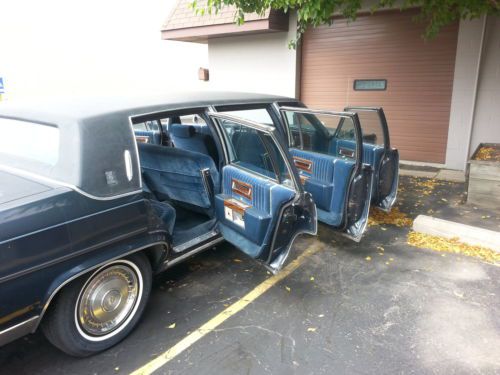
346 130
140 127
260 115
255 151
192 120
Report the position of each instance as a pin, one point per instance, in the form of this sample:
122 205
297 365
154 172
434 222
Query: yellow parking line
213 323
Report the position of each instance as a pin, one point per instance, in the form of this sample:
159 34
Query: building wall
486 126
464 84
260 63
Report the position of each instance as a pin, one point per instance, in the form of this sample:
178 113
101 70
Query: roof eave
201 34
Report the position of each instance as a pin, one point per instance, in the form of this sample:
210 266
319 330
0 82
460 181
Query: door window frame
342 115
383 121
266 129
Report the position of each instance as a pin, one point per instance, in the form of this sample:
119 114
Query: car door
262 206
378 153
330 164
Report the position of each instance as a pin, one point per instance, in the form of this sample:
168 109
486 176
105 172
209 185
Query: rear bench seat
175 175
191 138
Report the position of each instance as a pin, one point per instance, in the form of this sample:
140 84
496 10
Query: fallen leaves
395 217
171 326
452 245
311 329
488 153
288 289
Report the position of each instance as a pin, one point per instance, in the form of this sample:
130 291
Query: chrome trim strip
52 295
65 184
174 261
194 241
18 330
317 111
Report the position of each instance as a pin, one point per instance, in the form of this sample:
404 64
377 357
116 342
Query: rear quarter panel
46 242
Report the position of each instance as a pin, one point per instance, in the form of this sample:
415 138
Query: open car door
262 206
378 153
330 164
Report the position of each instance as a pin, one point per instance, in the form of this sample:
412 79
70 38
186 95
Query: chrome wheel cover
108 300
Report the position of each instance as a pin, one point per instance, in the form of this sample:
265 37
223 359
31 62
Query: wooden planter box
484 179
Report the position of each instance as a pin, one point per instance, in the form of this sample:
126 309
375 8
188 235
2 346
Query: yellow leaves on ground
425 186
311 329
171 326
452 245
395 217
487 153
288 289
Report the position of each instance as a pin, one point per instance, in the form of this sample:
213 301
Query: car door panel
259 210
331 169
378 153
328 182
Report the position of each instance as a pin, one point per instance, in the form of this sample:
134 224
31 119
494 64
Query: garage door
385 48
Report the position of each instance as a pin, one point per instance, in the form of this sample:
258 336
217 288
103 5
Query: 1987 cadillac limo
96 196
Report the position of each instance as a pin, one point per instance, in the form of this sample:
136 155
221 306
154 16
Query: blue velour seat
165 212
175 175
188 138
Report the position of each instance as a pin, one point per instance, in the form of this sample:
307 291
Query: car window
192 120
346 130
321 132
255 151
371 126
29 141
260 115
140 126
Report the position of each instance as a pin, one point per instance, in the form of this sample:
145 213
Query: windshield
32 145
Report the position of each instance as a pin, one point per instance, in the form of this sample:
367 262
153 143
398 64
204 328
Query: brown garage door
386 45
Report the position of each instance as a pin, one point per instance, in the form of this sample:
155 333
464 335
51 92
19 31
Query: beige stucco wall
260 63
486 126
464 85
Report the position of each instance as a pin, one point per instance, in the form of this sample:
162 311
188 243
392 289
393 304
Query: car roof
67 110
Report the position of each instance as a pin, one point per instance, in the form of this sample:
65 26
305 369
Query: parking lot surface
379 306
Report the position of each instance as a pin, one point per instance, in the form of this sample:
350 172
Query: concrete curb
465 233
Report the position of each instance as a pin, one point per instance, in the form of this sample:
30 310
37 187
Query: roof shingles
183 16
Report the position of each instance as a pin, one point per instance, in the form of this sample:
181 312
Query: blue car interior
251 153
372 155
174 178
194 138
262 209
328 182
173 181
153 137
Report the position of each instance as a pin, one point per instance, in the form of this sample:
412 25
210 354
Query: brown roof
185 25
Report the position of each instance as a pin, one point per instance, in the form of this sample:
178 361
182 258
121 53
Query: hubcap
107 300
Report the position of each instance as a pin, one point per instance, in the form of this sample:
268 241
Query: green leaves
436 14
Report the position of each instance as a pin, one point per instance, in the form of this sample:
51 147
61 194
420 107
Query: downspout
474 94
